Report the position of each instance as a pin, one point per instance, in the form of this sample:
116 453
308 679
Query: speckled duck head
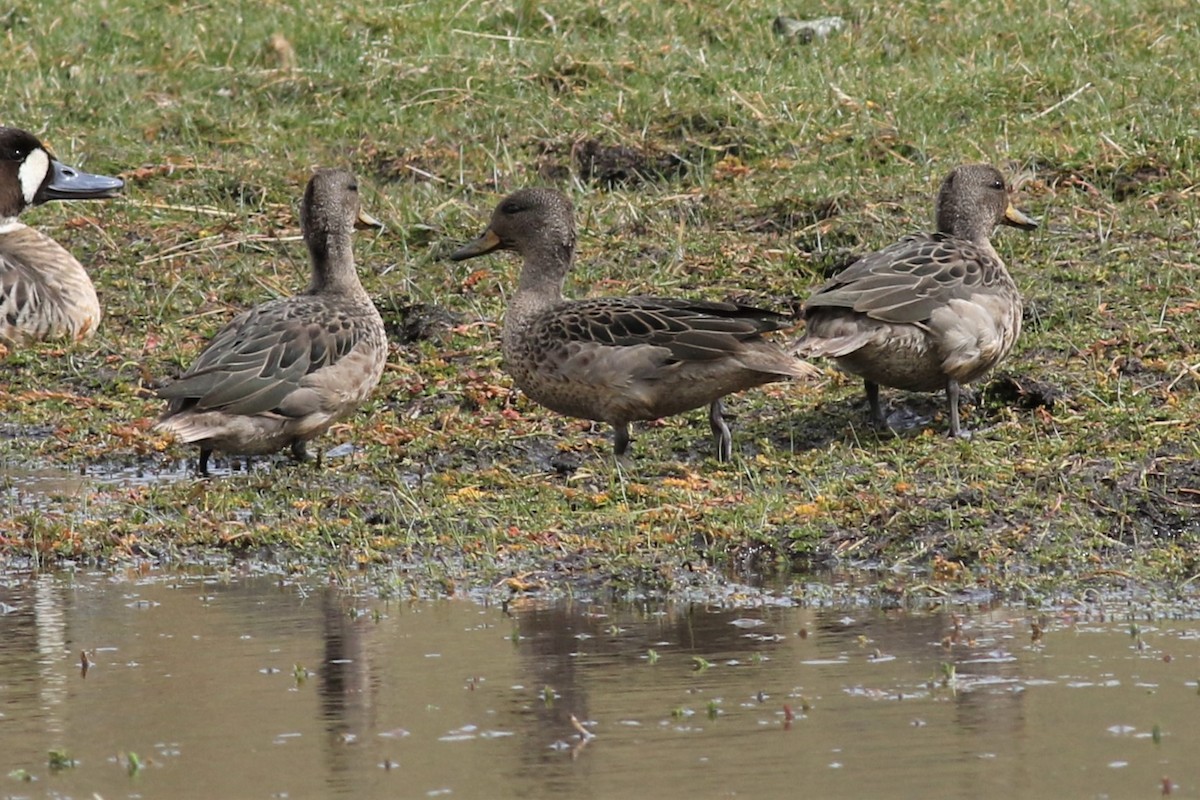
31 175
539 224
329 213
973 200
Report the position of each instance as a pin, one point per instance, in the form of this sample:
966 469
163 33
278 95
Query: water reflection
26 487
347 685
267 687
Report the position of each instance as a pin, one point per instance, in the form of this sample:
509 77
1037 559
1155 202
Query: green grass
764 162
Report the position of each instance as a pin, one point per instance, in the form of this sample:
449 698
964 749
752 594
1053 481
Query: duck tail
183 427
803 370
828 347
777 361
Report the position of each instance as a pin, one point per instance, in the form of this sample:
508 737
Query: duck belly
244 435
961 341
626 384
975 335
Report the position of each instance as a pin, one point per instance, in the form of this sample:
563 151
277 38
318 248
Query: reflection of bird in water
551 639
929 640
347 692
33 645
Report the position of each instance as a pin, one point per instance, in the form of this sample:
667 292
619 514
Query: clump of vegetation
58 760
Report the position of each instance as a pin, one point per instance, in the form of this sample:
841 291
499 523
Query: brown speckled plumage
281 373
932 311
620 359
44 291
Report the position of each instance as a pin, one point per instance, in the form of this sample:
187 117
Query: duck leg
299 451
722 438
877 418
202 467
620 438
952 392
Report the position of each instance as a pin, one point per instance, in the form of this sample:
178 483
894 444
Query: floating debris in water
394 733
583 732
59 760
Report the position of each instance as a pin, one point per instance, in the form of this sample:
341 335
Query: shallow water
23 487
263 687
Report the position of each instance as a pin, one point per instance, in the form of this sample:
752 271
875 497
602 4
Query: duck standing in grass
44 292
932 311
620 359
281 373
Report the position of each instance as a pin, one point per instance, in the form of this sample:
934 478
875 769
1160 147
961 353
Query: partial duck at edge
45 293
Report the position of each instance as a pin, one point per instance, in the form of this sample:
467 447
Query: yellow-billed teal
281 373
932 311
620 359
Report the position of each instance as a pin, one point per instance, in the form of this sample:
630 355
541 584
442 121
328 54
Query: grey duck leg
299 451
722 438
952 392
620 438
877 418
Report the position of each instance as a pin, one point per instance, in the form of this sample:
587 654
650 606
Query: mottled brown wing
906 281
261 356
689 330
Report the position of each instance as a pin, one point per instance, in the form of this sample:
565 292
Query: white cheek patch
33 173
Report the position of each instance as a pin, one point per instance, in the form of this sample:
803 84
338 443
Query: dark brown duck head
973 200
31 175
329 213
537 223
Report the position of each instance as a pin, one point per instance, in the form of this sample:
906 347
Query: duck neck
540 286
961 226
332 264
953 222
545 269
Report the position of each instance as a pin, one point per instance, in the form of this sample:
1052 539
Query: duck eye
353 187
999 184
511 207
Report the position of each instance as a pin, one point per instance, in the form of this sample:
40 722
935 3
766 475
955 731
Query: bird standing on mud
281 373
932 311
620 359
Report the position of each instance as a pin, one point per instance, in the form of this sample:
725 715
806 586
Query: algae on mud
740 166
